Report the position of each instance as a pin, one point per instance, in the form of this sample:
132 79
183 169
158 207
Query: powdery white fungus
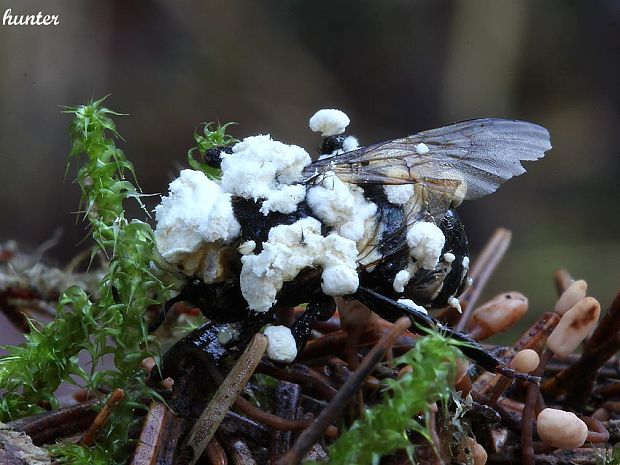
341 206
448 257
350 143
401 280
426 242
411 304
421 148
399 194
288 250
339 280
284 199
455 303
281 346
195 212
465 263
329 122
264 169
246 247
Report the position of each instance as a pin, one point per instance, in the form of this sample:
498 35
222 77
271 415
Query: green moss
212 136
384 427
110 322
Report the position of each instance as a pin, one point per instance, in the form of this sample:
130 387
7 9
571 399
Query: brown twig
607 390
562 279
276 422
527 444
205 427
47 427
113 400
435 441
597 433
288 399
234 423
299 374
481 271
216 453
151 436
269 419
558 457
340 400
239 451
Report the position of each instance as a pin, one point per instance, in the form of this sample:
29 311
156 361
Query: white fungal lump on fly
329 122
422 148
401 280
260 168
341 206
399 194
411 304
290 249
196 212
281 345
426 242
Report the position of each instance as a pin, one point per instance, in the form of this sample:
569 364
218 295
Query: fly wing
466 160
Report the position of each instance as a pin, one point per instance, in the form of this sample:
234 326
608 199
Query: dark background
395 67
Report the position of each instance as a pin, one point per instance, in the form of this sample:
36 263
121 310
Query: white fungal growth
284 199
401 280
350 143
246 247
339 280
399 194
329 122
290 249
195 212
421 148
448 257
455 303
341 206
281 346
411 304
426 242
263 169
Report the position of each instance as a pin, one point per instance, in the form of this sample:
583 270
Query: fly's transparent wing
463 161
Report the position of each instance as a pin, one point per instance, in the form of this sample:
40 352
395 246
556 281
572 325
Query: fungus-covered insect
375 224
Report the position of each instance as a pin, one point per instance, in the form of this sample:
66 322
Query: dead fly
373 224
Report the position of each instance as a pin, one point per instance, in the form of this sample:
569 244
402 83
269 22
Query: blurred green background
396 67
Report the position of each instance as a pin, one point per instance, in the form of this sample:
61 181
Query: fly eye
212 156
332 143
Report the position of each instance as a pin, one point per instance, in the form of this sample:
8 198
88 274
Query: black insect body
445 166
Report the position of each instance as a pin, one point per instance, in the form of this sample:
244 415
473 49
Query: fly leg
211 343
392 310
321 308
